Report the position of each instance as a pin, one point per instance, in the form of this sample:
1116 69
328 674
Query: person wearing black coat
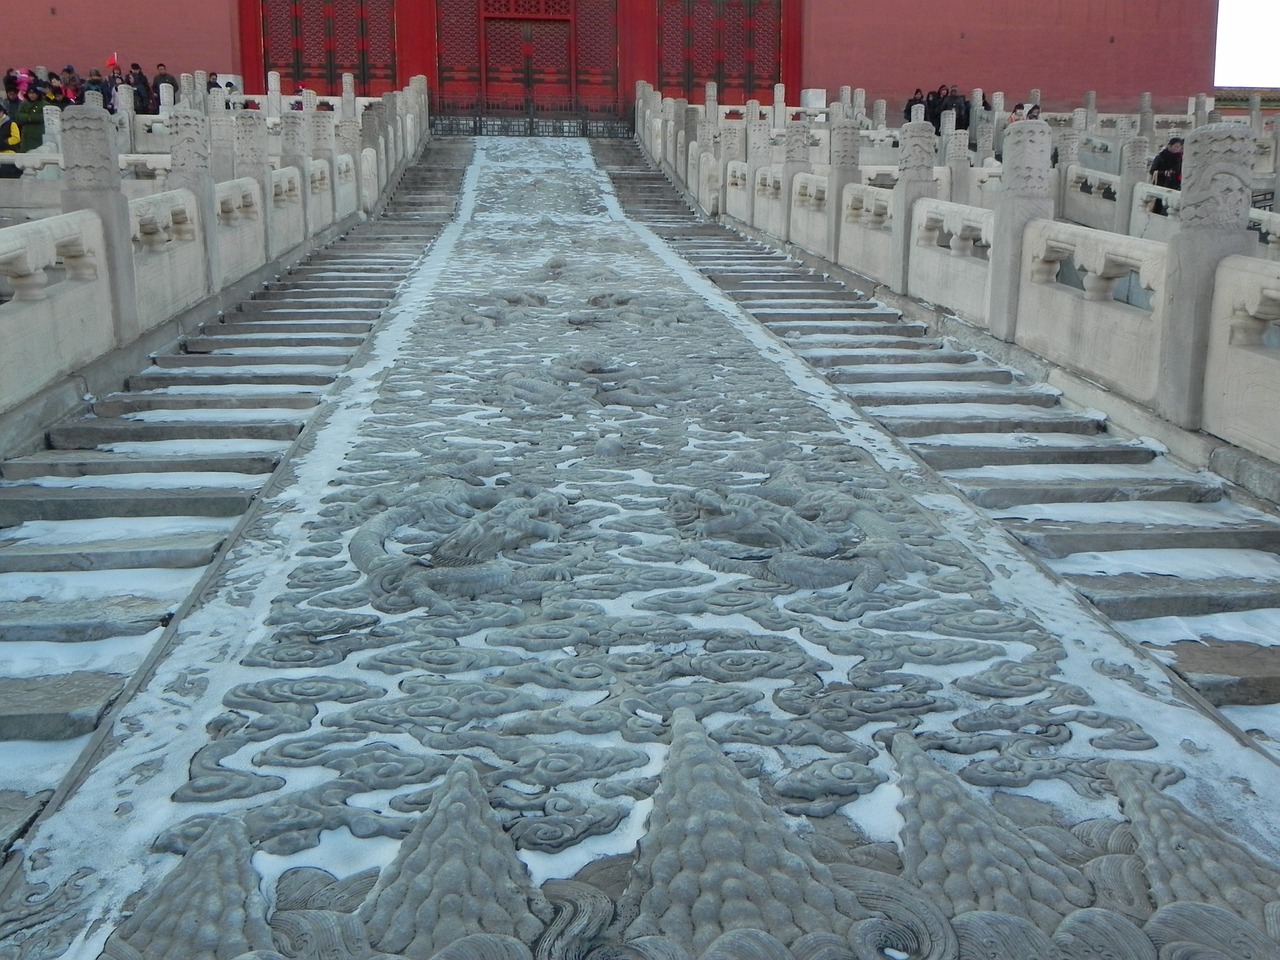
917 98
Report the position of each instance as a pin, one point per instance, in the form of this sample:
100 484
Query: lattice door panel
312 43
506 65
735 43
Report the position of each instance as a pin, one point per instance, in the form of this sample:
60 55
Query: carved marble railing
346 189
288 216
809 213
168 260
57 313
242 241
1089 197
949 264
320 200
865 236
1090 330
1242 376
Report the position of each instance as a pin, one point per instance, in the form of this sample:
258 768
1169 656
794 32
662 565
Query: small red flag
113 61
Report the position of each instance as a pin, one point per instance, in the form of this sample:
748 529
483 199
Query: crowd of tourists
28 92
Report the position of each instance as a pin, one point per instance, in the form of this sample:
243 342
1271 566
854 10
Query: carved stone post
779 106
295 151
222 144
324 146
91 165
1080 119
797 161
167 95
948 125
693 115
1091 111
200 92
348 96
1033 99
1146 118
1133 171
759 155
189 139
1202 110
310 100
975 113
859 103
846 168
879 111
1255 115
712 101
846 96
732 146
275 102
93 98
1217 191
1068 156
1025 195
372 137
125 116
917 114
915 182
986 142
957 156
999 120
252 160
53 127
187 91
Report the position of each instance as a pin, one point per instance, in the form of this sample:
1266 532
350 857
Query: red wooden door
312 43
737 44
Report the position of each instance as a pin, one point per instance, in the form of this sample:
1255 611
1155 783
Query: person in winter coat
31 119
10 142
142 99
917 98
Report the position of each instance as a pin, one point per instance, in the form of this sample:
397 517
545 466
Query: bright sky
1247 32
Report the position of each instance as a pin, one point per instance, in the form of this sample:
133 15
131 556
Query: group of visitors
937 102
28 92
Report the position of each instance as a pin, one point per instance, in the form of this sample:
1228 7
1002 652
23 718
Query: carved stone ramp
104 533
1059 479
596 624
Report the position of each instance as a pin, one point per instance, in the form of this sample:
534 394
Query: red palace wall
890 47
1120 48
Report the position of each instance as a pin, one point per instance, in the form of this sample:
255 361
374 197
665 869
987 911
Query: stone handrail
241 239
164 217
29 250
949 264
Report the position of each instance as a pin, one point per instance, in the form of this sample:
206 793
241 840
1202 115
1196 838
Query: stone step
292 298
59 707
92 463
25 503
267 310
1057 540
91 433
120 404
890 326
81 621
250 359
963 451
932 392
923 420
1136 597
855 311
228 341
920 373
172 552
234 325
882 358
998 487
154 379
792 292
888 348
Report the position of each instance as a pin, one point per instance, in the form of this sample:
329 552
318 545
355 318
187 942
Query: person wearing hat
31 118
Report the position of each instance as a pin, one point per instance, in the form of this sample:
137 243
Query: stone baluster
391 123
915 182
324 146
217 101
751 110
880 111
997 102
187 91
732 145
1134 157
759 155
917 114
167 97
779 106
1217 191
957 159
1255 116
1033 98
53 127
373 136
191 135
222 145
846 96
948 126
999 120
859 104
348 97
1201 110
1068 156
986 141
1147 118
199 91
1026 194
693 114
275 102
1091 111
93 98
976 111
712 100
1080 119
295 151
349 144
1275 154
796 160
846 168
310 100
91 181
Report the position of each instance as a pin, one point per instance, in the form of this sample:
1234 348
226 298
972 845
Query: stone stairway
104 533
1167 553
